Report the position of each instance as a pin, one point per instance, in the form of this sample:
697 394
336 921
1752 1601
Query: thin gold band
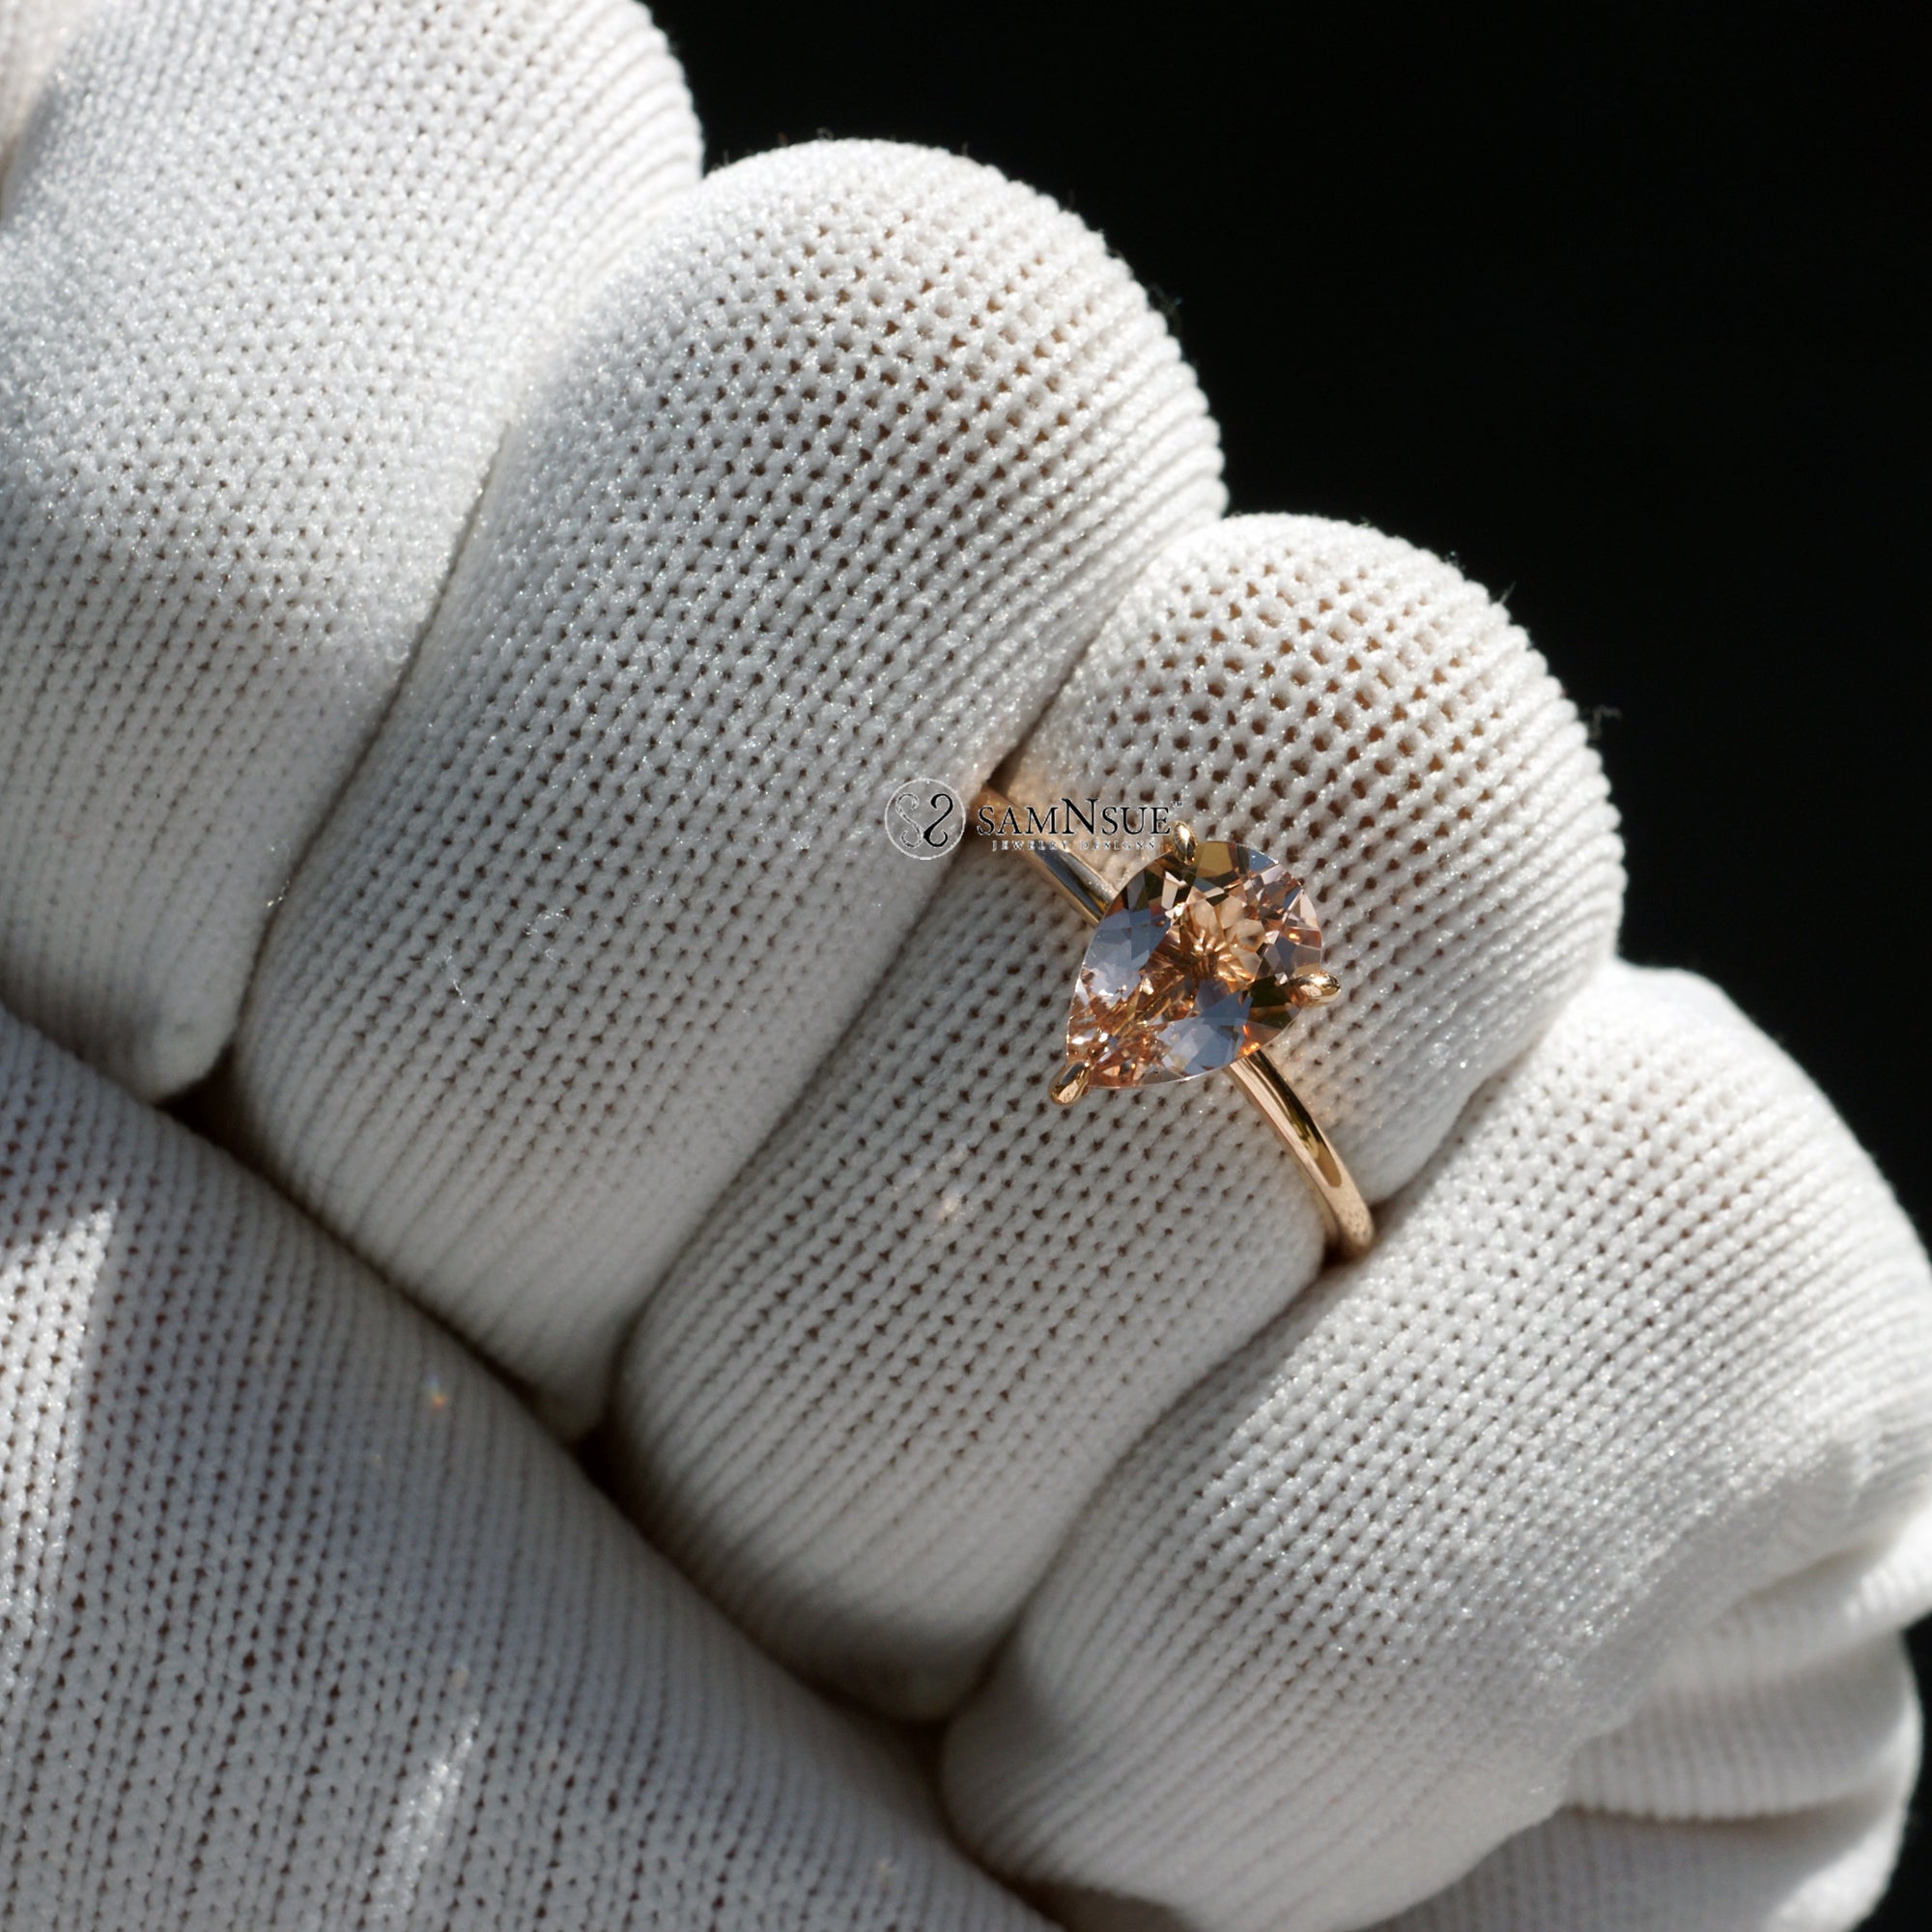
1351 1225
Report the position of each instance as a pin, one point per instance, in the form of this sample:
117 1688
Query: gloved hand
466 588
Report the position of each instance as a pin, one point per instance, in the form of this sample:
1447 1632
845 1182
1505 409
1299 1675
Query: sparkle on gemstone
1189 969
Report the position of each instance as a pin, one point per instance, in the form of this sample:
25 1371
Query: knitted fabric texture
304 1622
869 1405
832 489
467 591
1409 1573
271 276
1819 1872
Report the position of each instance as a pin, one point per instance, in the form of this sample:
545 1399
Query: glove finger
272 274
1747 1748
1649 1336
1821 1613
305 1621
832 489
31 32
1815 1871
869 1405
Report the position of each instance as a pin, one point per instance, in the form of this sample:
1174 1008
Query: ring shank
1351 1226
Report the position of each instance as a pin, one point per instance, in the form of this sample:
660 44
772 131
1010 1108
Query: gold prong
1070 1083
1181 843
1314 987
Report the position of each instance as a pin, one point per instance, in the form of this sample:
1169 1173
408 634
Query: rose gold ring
1196 964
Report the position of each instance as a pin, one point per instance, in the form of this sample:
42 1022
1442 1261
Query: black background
1620 319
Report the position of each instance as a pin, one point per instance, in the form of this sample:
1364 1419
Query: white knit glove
466 588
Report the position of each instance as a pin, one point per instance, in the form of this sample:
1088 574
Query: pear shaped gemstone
1190 967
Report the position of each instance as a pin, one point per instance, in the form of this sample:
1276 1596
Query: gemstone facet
1193 966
